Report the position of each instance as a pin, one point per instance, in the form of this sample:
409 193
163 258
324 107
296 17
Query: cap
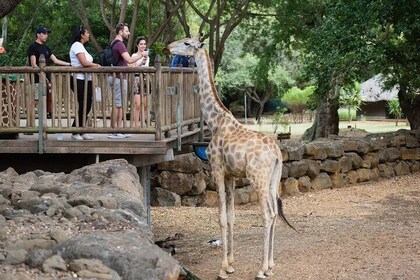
42 29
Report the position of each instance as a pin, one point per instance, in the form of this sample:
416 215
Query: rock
36 258
313 168
73 214
162 197
186 163
241 196
179 183
364 174
351 177
370 160
45 188
193 201
345 164
54 263
199 184
356 160
337 180
410 154
330 166
359 146
107 202
402 168
297 168
30 244
284 172
290 187
58 235
131 256
386 170
315 151
393 154
320 182
15 257
411 141
304 184
295 152
211 199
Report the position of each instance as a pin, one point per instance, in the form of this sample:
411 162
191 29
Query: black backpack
107 57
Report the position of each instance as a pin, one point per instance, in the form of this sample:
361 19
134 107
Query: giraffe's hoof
222 275
268 273
230 270
260 276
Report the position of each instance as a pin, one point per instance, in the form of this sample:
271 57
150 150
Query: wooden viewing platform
170 114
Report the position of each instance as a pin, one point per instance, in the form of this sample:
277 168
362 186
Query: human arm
32 59
58 61
129 59
82 58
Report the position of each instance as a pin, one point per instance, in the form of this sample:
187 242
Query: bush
343 114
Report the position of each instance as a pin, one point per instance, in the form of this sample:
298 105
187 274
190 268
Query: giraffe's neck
214 112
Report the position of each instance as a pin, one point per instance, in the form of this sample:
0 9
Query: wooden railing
171 94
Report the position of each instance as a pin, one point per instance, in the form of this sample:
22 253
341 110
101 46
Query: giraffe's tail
281 214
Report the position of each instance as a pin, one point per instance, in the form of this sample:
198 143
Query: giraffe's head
186 47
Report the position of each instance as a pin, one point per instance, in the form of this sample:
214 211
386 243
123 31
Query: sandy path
367 231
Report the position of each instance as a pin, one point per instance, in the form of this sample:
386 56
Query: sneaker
87 137
76 137
127 135
116 136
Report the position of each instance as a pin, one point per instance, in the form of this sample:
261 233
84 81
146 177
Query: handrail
28 102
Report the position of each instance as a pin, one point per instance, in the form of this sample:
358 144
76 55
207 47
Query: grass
369 126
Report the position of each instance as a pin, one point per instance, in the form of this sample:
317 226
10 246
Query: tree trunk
326 120
6 6
410 107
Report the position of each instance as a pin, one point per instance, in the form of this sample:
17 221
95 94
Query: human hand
145 53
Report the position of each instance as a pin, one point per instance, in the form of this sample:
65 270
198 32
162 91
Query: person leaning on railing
142 52
121 55
80 57
35 50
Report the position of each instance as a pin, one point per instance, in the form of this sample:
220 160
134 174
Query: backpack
107 57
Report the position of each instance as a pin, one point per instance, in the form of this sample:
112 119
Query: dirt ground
366 231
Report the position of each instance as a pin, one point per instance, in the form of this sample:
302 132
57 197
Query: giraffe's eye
187 44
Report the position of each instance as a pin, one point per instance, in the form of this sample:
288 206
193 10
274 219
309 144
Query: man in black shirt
34 52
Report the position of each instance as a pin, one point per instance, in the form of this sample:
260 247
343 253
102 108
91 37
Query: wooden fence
169 100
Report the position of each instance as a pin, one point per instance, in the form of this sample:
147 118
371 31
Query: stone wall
322 164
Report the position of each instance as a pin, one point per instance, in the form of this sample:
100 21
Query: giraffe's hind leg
269 215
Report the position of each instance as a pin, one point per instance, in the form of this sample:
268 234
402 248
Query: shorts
118 89
137 85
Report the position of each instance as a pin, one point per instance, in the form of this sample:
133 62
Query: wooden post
42 106
157 96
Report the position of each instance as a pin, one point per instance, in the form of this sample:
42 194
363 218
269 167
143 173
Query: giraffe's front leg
230 192
219 181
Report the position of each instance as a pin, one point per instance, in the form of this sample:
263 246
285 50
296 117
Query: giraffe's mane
213 88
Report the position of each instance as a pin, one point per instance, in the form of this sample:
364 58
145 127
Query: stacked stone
322 164
90 224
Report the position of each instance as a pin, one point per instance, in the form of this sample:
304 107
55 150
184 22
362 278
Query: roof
372 90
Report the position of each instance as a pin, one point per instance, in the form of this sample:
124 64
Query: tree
6 6
296 100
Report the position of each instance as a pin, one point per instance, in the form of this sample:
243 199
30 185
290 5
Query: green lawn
369 126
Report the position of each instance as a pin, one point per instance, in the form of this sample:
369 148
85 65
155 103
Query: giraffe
236 151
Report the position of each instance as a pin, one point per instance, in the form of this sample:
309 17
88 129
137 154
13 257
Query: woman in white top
142 52
79 57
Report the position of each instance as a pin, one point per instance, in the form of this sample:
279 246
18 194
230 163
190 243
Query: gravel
364 231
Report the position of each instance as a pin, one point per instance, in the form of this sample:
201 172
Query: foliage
350 99
296 98
395 109
280 119
344 114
